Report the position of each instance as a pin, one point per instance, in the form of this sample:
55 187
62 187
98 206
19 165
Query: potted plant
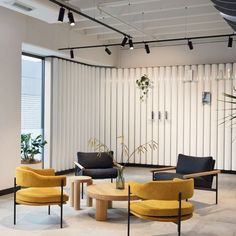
144 83
30 147
125 152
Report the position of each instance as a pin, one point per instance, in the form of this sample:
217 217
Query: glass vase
120 180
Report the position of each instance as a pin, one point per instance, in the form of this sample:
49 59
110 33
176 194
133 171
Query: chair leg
61 205
82 194
128 229
49 210
14 201
179 215
111 180
216 188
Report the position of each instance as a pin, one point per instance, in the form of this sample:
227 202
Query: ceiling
142 19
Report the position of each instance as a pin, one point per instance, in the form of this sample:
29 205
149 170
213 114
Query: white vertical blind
104 103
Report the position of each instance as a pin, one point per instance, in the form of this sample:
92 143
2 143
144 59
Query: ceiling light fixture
190 44
124 41
107 50
72 54
61 14
230 42
71 18
147 48
131 46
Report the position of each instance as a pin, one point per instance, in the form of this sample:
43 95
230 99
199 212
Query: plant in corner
30 147
125 152
144 84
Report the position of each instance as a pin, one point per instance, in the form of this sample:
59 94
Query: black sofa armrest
163 169
199 174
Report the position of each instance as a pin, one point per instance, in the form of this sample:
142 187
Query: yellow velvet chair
39 187
164 201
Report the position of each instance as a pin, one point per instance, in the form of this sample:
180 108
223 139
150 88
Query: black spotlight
107 50
71 18
131 46
230 42
72 54
147 48
61 14
190 44
124 41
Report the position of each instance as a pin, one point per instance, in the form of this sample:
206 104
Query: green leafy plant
144 84
31 147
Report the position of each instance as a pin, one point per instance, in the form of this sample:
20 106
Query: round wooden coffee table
104 195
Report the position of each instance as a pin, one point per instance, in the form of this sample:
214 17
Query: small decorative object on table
144 83
120 180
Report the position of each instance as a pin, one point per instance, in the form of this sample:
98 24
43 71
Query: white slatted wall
90 101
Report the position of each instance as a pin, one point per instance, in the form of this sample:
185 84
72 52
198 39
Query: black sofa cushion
95 160
108 173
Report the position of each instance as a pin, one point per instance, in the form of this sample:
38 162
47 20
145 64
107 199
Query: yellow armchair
39 187
164 201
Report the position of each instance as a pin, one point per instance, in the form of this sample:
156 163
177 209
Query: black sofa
201 169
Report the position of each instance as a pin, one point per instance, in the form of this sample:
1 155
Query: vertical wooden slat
173 115
234 121
132 96
162 117
155 99
149 130
207 113
114 98
137 117
228 121
119 114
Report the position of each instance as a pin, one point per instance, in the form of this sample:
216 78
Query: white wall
105 103
178 55
15 30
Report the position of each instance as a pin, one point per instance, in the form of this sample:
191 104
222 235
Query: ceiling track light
72 54
124 41
107 50
147 48
190 44
71 18
230 42
61 14
131 46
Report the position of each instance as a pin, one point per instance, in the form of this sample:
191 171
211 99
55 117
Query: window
32 96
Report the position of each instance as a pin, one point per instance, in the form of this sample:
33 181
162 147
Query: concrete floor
208 220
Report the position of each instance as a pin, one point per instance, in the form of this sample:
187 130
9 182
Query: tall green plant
31 146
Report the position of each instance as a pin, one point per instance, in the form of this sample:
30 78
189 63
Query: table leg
109 205
101 210
72 194
77 195
89 199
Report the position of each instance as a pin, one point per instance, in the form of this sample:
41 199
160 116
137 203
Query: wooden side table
75 190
